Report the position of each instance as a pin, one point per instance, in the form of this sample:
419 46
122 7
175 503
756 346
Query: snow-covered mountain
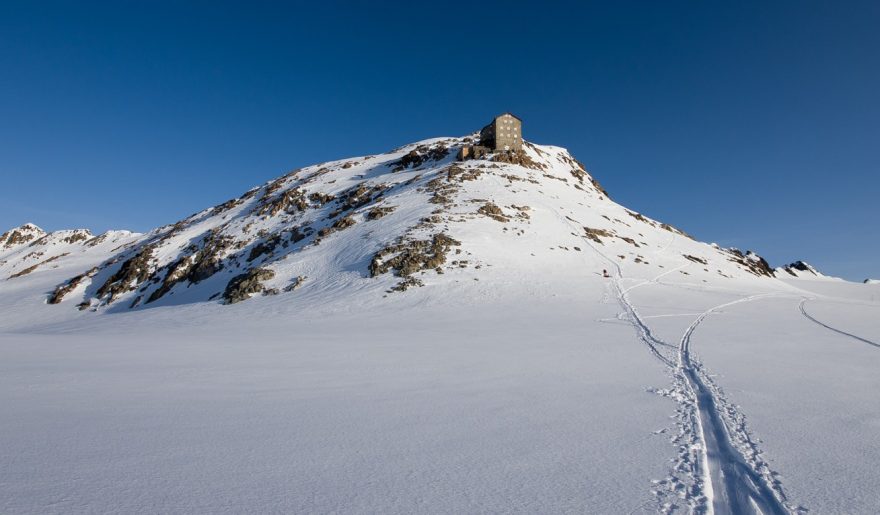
410 333
369 225
28 249
800 269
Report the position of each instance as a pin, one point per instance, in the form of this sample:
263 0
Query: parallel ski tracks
736 486
723 482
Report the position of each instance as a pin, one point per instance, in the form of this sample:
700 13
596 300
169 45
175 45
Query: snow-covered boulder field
410 333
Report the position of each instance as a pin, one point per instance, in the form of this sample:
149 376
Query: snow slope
33 263
335 227
407 333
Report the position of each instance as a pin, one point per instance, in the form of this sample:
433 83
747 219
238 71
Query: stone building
504 134
472 152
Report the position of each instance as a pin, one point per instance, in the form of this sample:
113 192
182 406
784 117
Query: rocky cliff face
379 225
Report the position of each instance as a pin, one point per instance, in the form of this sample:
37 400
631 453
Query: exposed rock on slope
799 269
383 223
242 286
20 235
751 262
27 251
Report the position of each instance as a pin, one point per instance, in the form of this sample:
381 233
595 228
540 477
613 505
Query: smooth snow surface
518 380
393 413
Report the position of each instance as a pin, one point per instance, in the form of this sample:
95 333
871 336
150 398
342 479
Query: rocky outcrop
409 257
338 225
801 266
379 211
518 158
295 283
596 234
242 286
751 262
419 156
130 275
31 268
62 290
196 267
290 201
800 269
264 247
359 196
77 236
696 259
20 235
494 212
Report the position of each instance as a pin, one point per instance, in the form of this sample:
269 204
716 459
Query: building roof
511 114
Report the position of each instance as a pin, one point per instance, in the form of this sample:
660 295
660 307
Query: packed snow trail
826 326
736 487
723 482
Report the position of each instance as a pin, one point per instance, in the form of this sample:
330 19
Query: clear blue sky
751 124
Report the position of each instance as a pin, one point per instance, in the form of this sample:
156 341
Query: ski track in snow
736 486
826 326
655 279
717 455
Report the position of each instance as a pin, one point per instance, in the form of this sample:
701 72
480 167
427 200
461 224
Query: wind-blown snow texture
408 333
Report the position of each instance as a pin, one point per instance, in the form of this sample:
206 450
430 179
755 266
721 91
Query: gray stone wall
487 135
504 133
508 133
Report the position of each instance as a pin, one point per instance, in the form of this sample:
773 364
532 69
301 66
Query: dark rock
494 212
517 158
379 211
295 283
420 155
409 257
34 267
358 196
596 234
290 201
242 286
62 290
338 225
696 259
130 275
264 247
20 235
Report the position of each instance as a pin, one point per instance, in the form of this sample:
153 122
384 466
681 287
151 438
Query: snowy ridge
19 236
801 269
30 250
34 262
376 224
